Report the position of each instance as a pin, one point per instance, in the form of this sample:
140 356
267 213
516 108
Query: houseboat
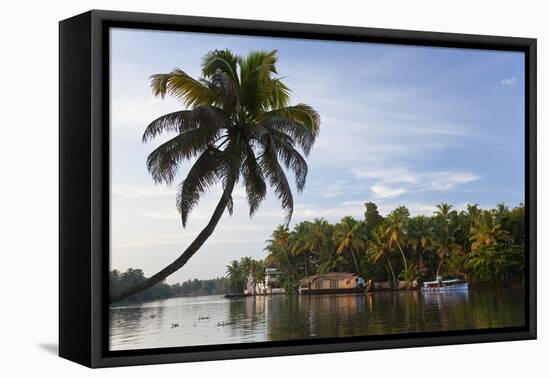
332 283
455 284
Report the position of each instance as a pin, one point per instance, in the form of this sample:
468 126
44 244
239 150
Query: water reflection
216 320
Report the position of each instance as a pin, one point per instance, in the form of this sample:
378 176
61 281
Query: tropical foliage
240 272
482 245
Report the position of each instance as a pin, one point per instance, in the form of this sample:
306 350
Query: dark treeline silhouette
122 281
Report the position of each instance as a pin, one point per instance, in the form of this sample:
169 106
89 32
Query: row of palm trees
398 246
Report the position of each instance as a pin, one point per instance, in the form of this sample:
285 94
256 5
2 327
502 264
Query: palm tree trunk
402 254
186 255
305 265
291 268
439 266
354 261
392 272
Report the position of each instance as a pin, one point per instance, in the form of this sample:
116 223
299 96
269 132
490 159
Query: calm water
216 320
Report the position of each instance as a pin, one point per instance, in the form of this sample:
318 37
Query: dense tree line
121 281
481 245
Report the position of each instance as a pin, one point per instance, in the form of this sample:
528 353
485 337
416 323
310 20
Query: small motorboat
445 285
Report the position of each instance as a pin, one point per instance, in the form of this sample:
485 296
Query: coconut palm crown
238 125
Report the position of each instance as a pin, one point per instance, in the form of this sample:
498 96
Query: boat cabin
331 283
444 285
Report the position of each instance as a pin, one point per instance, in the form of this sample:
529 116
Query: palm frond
290 157
258 89
273 171
226 90
220 61
253 180
201 176
182 86
164 161
185 120
230 205
258 66
301 122
171 122
271 94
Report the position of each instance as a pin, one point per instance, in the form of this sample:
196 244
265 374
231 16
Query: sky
400 125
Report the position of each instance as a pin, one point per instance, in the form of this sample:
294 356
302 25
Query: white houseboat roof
454 280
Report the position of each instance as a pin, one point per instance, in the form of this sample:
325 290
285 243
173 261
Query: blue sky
400 125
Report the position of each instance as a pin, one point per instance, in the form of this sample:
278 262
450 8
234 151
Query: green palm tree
279 251
257 272
472 213
238 125
419 237
465 220
396 224
319 238
350 236
444 243
377 247
486 231
444 212
235 275
301 243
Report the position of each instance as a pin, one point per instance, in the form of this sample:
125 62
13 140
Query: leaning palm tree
396 224
238 125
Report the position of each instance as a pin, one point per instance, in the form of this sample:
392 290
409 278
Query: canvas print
277 189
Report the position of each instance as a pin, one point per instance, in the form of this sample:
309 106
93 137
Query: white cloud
508 82
387 175
381 191
448 180
393 182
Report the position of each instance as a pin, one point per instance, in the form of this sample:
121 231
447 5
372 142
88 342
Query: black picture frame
84 186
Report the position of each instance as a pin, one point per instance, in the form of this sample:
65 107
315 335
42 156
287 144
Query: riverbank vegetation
480 245
131 277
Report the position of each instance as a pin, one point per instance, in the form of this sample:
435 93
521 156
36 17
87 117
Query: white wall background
29 188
